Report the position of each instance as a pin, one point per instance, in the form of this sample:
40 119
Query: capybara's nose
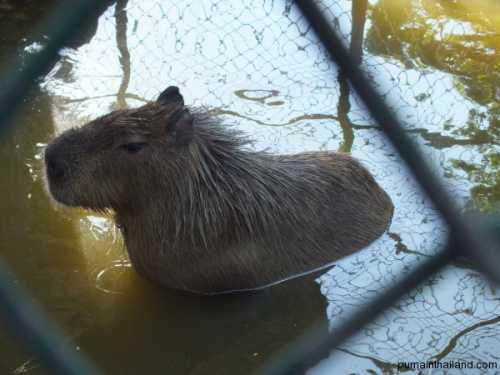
54 163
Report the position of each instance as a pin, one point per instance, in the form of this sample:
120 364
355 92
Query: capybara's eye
133 147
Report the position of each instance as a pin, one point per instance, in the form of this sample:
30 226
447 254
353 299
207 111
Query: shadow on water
165 331
356 48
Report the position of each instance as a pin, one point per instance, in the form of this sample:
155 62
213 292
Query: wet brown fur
200 211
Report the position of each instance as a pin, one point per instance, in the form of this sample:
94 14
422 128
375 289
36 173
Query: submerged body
201 212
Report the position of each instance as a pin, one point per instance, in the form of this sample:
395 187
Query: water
436 63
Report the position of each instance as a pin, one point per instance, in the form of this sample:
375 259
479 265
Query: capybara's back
201 212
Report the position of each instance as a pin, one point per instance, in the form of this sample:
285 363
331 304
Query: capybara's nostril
55 169
55 165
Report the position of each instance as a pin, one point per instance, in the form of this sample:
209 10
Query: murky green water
436 62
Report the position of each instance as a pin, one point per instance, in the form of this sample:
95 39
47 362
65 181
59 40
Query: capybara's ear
181 127
171 95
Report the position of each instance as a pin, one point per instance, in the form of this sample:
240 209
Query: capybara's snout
55 163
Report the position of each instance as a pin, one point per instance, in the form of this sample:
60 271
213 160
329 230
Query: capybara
202 212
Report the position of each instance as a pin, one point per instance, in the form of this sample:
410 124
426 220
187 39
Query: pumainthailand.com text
447 365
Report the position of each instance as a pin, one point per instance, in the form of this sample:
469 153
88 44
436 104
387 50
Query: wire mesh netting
259 64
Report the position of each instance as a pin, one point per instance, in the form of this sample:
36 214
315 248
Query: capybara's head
109 161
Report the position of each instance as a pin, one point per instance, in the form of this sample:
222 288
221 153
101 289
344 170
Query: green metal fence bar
24 319
28 323
317 344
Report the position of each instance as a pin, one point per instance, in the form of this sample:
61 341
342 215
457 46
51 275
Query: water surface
435 62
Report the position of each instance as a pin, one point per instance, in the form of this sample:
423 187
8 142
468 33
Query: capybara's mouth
57 193
55 182
56 175
55 165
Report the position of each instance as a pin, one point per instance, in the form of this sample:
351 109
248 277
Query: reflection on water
145 327
121 43
260 68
